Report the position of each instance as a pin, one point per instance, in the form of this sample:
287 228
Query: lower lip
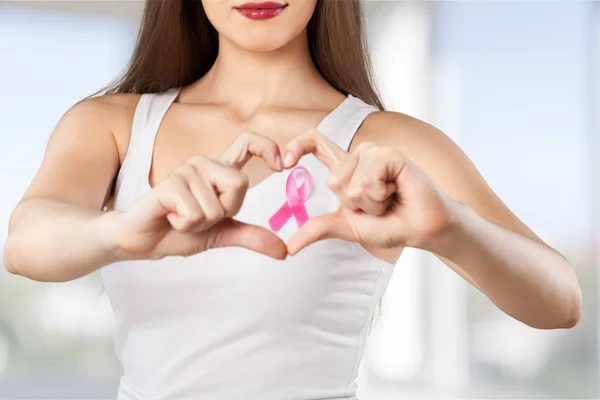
260 14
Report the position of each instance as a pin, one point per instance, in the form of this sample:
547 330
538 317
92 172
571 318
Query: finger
232 193
339 179
315 143
375 182
365 203
206 196
231 233
369 178
381 192
230 184
388 163
248 145
330 226
175 196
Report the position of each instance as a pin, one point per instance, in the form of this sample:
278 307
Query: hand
386 201
192 209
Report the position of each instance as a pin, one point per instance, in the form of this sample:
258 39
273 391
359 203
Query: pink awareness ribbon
296 196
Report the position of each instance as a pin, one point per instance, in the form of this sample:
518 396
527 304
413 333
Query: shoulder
428 148
417 139
109 108
109 113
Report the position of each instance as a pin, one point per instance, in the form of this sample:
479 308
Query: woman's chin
261 44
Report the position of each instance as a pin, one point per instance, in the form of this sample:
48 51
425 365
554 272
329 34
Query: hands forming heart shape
385 201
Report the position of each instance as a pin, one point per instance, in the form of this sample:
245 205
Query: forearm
55 242
526 279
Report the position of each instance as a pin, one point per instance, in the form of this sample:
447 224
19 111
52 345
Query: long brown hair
177 45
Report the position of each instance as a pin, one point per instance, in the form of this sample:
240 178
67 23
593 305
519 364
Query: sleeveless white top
230 324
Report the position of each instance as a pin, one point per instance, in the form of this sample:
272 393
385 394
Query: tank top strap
148 116
342 123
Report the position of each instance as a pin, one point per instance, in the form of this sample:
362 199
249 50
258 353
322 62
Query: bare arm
486 243
57 232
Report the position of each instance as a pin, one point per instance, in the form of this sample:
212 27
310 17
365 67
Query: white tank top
230 324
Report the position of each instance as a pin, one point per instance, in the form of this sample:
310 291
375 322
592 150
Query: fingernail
278 162
288 159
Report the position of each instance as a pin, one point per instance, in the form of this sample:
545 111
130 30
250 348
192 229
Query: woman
220 101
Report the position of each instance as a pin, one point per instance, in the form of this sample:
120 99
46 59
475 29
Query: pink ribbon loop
296 196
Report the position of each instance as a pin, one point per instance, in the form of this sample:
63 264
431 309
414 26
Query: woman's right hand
192 210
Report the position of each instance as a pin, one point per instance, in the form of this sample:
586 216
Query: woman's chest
185 134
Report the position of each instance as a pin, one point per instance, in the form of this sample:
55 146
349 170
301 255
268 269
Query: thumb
331 226
232 233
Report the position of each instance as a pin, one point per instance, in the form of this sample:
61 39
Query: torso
229 323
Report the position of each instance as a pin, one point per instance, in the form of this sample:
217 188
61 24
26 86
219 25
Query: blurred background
514 83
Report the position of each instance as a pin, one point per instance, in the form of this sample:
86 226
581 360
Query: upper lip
260 6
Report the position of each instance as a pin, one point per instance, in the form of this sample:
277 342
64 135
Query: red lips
261 11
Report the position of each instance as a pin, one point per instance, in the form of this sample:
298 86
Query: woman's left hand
386 201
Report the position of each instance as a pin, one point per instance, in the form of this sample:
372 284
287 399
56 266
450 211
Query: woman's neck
252 81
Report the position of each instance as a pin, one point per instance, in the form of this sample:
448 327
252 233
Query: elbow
571 322
565 316
17 260
17 249
573 301
574 311
568 302
16 257
11 247
9 257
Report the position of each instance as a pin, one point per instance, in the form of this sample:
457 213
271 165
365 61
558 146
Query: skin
402 184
